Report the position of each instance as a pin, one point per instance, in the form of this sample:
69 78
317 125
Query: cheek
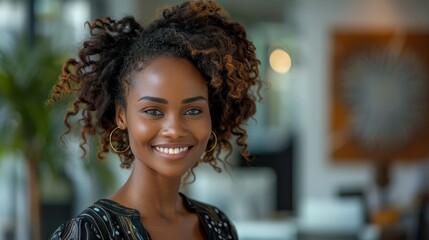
203 132
139 130
205 138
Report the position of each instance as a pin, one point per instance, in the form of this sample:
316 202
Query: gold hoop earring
111 145
215 137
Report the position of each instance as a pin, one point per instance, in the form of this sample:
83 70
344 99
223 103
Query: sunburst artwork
380 103
386 96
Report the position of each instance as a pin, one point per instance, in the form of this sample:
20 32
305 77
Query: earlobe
121 120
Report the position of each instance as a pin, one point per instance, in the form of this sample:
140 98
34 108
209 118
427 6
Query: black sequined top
107 219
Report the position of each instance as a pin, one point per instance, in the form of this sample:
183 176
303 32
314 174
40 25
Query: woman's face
167 116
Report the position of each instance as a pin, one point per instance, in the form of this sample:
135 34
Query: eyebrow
164 101
153 99
194 99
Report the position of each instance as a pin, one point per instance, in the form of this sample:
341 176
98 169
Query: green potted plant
29 127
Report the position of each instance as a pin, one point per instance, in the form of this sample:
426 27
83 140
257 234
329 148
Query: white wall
318 176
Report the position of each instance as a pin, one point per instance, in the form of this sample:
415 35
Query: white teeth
171 150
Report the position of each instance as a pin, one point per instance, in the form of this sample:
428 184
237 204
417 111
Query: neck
152 195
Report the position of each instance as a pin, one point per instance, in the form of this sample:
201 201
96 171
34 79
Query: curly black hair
199 31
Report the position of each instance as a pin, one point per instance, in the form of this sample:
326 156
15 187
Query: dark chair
422 228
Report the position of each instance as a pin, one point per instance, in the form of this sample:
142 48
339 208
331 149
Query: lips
172 152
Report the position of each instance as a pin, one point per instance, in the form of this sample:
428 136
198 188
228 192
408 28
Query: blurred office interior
341 139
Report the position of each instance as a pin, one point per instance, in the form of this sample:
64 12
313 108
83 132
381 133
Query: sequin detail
107 219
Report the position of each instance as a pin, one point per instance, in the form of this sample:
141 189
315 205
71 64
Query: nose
174 128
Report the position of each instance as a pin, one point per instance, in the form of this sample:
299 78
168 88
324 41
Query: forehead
169 77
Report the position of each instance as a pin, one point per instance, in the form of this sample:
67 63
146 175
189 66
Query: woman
165 98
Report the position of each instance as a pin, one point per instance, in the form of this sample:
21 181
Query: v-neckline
135 215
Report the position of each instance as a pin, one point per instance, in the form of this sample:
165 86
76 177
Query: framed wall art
379 105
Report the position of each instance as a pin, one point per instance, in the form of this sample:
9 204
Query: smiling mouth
172 151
